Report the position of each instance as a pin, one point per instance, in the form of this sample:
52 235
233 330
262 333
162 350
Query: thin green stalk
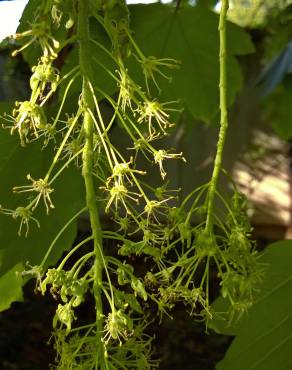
223 116
88 129
65 165
59 235
61 147
72 251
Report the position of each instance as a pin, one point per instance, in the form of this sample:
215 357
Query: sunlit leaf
190 36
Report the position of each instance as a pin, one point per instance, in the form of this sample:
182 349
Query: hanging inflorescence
206 232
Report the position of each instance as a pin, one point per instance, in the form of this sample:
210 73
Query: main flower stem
223 116
88 127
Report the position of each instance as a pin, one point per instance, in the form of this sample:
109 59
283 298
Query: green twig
223 116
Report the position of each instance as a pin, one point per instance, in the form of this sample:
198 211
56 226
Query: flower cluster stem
88 129
223 115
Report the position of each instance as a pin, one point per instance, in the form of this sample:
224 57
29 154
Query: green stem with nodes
223 116
88 129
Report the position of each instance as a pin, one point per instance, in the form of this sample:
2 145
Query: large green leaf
8 142
11 287
101 62
101 77
15 163
190 36
67 198
29 16
264 336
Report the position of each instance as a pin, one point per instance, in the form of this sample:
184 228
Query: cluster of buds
118 325
44 76
28 118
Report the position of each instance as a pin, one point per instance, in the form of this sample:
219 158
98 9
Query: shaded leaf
11 287
15 163
264 335
102 64
67 198
8 142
